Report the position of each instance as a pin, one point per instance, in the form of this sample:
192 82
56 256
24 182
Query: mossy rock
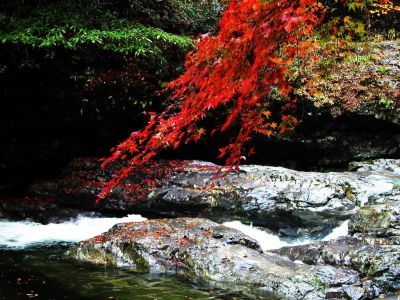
373 219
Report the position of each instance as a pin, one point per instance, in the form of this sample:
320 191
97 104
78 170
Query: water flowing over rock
291 202
363 265
372 249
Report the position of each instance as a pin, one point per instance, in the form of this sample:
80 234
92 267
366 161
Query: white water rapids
25 233
270 241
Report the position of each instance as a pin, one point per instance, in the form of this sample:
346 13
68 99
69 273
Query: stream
34 265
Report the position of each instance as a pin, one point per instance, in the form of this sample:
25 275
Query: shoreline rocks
363 265
372 248
293 203
351 267
202 248
278 198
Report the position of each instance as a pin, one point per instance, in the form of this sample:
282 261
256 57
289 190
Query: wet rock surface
202 248
375 260
372 248
290 201
275 197
363 265
41 210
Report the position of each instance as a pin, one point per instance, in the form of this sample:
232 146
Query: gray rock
378 220
377 165
291 202
201 248
376 260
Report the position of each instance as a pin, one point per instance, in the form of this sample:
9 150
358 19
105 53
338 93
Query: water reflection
45 272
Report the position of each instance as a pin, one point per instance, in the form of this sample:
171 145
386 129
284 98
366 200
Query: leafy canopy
240 68
72 25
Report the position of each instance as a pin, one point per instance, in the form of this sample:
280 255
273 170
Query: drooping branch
239 68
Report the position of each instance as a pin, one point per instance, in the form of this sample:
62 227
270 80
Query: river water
33 265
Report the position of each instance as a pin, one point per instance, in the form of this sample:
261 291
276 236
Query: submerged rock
202 248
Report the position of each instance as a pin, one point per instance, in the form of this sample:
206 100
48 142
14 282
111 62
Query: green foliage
178 16
112 54
386 103
72 25
362 59
2 68
383 70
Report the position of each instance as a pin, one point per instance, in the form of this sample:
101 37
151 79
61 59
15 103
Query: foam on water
270 241
25 233
341 230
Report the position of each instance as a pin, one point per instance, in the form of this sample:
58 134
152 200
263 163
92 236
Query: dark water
45 272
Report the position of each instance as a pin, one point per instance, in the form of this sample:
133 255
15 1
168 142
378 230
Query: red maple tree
237 69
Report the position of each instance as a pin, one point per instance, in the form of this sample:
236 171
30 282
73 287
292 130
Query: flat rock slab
199 247
292 202
278 198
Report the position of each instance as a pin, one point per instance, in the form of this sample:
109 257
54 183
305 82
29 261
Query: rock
378 220
376 260
377 165
282 199
293 203
37 209
372 248
201 248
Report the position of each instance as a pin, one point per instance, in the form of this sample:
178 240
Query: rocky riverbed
184 235
291 202
363 265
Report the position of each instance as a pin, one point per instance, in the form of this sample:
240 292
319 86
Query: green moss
371 219
362 59
349 192
98 256
132 252
316 282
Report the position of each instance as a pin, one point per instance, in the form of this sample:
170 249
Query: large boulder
291 202
201 248
278 198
